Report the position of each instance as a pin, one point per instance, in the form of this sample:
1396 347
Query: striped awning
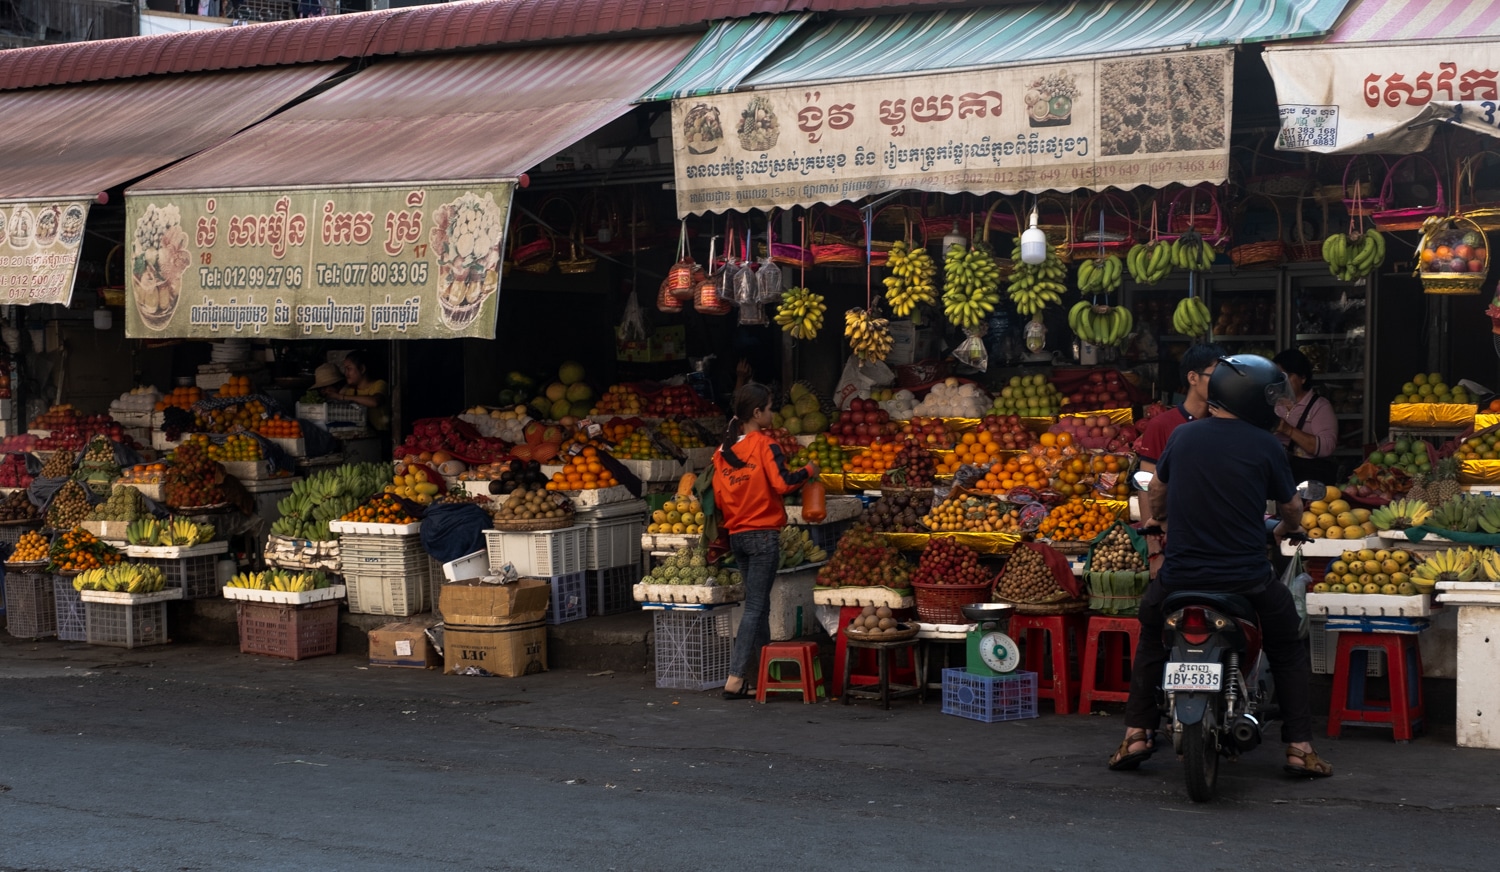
1407 20
995 36
722 59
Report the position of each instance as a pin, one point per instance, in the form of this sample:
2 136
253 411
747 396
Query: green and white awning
730 51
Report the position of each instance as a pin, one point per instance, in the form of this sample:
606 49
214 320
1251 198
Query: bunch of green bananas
1352 257
1100 325
1191 317
869 337
1034 286
122 578
1102 275
1193 253
972 284
1150 262
910 281
1400 514
800 313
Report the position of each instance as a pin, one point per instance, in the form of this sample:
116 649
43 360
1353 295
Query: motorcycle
1217 688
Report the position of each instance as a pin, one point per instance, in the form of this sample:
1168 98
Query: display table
883 690
934 635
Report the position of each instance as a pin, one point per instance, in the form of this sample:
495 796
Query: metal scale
991 652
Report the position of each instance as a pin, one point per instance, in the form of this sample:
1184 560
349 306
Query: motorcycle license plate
1193 676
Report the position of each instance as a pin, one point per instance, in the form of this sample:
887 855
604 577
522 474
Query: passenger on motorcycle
1212 482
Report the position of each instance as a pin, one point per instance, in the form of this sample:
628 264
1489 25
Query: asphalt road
196 758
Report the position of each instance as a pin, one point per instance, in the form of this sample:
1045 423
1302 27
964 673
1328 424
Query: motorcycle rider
1211 485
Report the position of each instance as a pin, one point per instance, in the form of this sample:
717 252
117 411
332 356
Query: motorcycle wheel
1200 758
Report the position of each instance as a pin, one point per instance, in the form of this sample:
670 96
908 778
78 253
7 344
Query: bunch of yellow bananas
869 337
1193 253
800 313
1192 318
972 284
910 282
122 578
1034 286
1100 325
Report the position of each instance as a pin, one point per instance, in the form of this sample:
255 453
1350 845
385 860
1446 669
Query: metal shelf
1246 337
1328 337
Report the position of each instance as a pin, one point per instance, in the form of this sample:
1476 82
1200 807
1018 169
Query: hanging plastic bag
768 281
747 292
633 321
706 298
972 351
681 277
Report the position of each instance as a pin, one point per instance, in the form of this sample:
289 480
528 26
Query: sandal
745 692
1312 766
1125 761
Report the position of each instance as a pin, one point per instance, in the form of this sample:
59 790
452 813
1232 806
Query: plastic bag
972 352
859 378
768 282
1296 578
633 322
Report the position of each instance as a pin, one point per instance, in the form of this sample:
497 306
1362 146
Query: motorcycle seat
1230 604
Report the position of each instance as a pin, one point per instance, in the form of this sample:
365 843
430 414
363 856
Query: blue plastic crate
570 598
989 699
610 591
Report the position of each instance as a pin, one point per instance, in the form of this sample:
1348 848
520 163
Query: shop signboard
1383 98
39 243
417 261
1062 125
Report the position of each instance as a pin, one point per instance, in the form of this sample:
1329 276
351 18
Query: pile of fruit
542 442
803 413
862 559
30 548
243 416
1100 325
1438 486
13 471
951 399
639 446
679 400
143 473
181 532
1008 432
18 443
1095 433
1452 250
914 467
824 450
1484 445
193 479
279 579
1027 470
124 504
1035 286
1149 262
326 496
879 457
1077 522
683 436
801 312
900 403
1431 388
973 449
1468 513
380 509
1352 256
583 471
1398 515
98 466
619 400
58 465
898 513
869 336
567 398
17 507
1029 579
277 427
944 561
122 578
1388 572
1082 475
930 433
874 621
237 386
460 439
1333 518
680 516
1454 564
184 398
1030 396
1116 553
69 507
534 503
690 566
1103 390
416 482
798 548
506 478
862 423
971 283
77 550
1414 456
236 447
971 513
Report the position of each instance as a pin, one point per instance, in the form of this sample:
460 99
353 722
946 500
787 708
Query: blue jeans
758 555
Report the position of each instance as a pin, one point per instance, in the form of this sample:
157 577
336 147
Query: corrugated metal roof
996 36
1405 20
472 116
78 140
726 55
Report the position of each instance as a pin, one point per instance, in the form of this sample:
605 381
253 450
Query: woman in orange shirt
750 478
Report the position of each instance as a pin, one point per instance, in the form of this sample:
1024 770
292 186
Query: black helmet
1248 387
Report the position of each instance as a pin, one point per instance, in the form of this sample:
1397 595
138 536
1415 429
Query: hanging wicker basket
1446 243
1117 235
1303 250
1266 253
1484 208
1395 217
535 255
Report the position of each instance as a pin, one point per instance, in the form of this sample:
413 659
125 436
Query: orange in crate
973 449
583 471
878 458
1076 522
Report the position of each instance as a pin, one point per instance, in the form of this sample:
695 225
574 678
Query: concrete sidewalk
624 708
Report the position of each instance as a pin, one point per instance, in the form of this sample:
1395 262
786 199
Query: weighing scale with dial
990 651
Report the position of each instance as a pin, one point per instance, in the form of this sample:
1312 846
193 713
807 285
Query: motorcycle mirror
1142 479
1312 490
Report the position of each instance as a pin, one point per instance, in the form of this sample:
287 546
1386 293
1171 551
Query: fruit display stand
1329 547
1455 417
984 543
657 596
292 631
385 575
30 608
126 620
1478 606
1369 605
792 607
370 528
12 531
192 570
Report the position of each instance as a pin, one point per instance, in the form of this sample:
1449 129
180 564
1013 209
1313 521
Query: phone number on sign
251 277
334 275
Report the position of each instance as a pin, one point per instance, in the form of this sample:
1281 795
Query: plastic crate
291 632
1323 646
10 534
126 626
610 589
570 598
988 699
388 593
693 647
30 608
614 542
435 578
538 555
826 536
197 576
72 623
332 413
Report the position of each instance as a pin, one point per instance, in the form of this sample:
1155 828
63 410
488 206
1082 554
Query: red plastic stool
1406 709
1115 638
1060 683
809 681
866 669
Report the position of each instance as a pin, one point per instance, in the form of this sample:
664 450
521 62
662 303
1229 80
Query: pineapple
1418 489
1443 483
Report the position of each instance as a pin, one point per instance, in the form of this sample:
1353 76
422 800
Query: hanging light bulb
1033 243
954 237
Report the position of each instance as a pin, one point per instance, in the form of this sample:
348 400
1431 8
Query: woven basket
534 526
1054 217
1184 214
1408 217
1267 253
889 636
1103 225
1302 250
943 603
1454 283
1356 193
535 255
1484 213
785 253
834 249
1065 607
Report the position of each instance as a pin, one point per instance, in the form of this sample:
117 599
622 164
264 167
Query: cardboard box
508 651
472 604
402 644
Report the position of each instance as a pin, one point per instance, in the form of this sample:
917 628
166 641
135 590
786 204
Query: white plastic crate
468 566
610 589
399 594
337 414
989 699
197 575
538 555
570 598
30 610
614 543
126 625
72 625
692 648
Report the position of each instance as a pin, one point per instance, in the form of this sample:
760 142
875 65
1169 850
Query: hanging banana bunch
910 282
1100 325
1102 275
1191 252
1191 317
869 337
1352 256
1034 286
800 313
1149 262
972 287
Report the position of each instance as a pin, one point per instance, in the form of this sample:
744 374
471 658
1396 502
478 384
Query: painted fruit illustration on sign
160 256
466 236
1049 99
758 129
702 130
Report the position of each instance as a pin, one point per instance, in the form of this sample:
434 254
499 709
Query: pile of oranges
381 509
236 448
78 550
1077 522
1024 470
973 449
180 397
246 416
618 430
237 386
680 436
583 471
1077 476
31 548
277 427
144 473
878 458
